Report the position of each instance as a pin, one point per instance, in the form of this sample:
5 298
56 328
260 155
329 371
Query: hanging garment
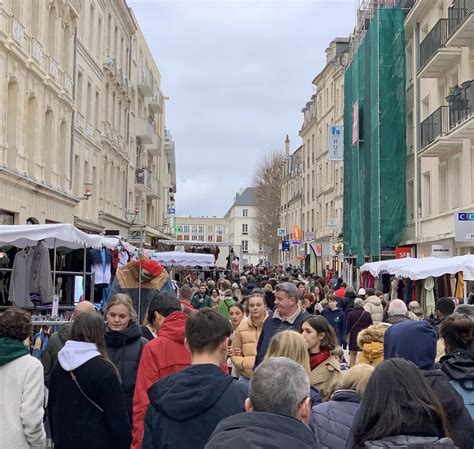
427 296
394 289
19 292
101 266
40 284
459 291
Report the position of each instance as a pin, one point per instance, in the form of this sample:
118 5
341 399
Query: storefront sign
335 143
281 232
285 245
403 251
464 227
440 251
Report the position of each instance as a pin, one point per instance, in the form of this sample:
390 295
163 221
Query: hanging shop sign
281 232
285 245
464 226
309 236
335 143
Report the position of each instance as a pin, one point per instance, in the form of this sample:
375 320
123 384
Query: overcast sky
237 74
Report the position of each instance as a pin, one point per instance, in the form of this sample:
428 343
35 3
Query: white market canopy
59 235
194 243
418 269
179 259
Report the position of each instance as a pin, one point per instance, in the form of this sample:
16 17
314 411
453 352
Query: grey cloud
237 74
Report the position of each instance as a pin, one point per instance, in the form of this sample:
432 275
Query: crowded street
236 224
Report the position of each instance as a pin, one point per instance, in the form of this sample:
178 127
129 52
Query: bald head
84 307
397 307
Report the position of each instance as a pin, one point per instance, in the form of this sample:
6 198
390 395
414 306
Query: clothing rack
49 323
39 308
69 273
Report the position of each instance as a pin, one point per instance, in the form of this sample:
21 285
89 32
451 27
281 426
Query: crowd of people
261 359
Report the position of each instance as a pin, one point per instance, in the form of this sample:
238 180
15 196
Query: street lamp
131 216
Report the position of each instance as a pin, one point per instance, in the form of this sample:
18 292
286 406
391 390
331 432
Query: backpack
466 389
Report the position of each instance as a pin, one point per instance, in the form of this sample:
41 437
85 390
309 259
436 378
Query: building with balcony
37 111
152 164
440 94
81 139
291 196
322 187
103 93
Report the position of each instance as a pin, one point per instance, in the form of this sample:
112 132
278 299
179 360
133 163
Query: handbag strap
73 376
358 319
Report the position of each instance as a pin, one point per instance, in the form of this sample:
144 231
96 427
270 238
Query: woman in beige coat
244 343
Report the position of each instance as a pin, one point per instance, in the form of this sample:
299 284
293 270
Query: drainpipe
73 115
417 139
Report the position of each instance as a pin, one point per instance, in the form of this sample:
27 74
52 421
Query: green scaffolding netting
374 170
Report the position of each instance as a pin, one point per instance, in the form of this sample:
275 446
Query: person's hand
237 352
230 352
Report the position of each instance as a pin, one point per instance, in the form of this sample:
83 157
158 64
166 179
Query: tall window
52 31
245 229
426 194
245 213
410 201
186 229
79 92
245 246
443 187
194 229
456 182
201 229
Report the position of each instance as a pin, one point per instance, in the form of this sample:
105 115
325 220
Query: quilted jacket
333 419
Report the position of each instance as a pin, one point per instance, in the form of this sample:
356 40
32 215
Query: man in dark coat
278 411
397 312
186 406
287 315
399 342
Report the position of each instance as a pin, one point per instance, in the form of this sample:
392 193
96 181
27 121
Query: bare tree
267 182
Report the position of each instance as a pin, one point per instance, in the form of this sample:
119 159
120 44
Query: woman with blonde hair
124 343
333 419
292 345
244 344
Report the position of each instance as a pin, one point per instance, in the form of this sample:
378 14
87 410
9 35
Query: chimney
287 146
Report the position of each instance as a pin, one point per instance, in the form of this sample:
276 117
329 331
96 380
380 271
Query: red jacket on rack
161 357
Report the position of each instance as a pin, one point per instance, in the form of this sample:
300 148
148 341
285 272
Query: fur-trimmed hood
370 335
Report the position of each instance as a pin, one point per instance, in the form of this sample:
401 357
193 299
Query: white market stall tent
418 269
53 235
180 259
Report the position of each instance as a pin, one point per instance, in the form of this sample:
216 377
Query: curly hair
16 324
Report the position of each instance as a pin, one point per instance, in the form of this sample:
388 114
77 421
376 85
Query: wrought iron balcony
461 21
434 126
433 41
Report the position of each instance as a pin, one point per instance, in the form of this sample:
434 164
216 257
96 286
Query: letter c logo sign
463 217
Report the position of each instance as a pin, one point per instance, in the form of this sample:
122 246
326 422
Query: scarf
316 359
11 349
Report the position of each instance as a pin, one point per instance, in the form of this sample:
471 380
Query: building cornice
38 187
